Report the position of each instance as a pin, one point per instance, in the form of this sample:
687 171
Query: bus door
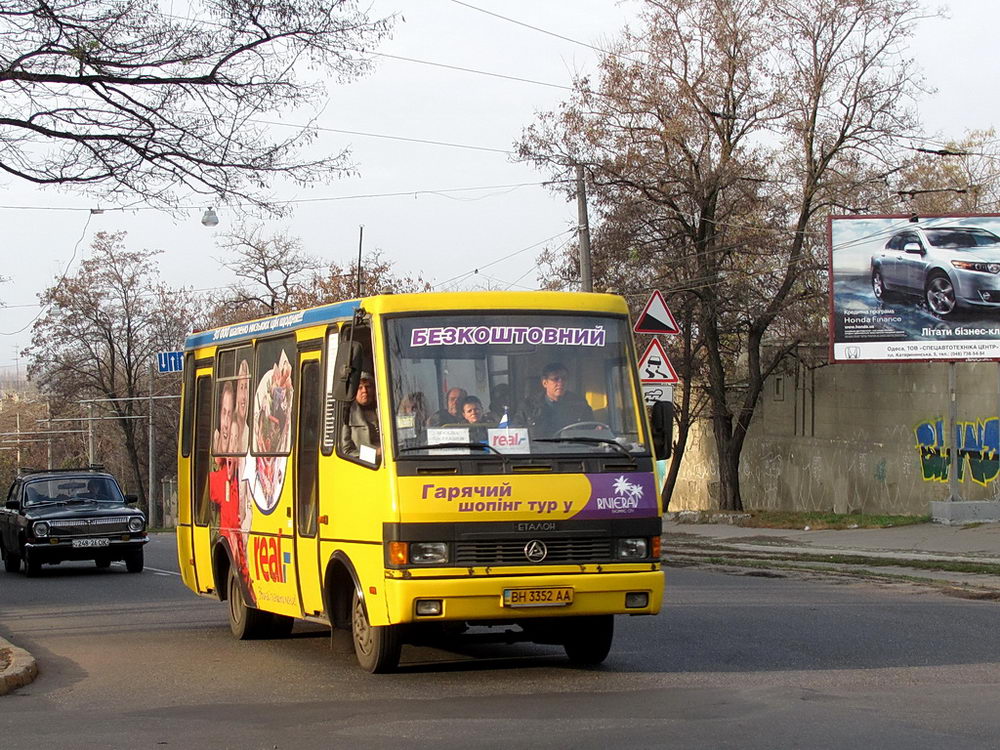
201 508
307 447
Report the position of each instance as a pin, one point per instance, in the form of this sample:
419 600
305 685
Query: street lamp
210 218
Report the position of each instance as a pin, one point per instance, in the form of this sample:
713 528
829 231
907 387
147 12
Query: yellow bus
407 467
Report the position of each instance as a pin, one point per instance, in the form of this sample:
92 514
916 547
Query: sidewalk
959 560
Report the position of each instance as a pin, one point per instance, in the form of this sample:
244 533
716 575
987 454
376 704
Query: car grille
88 526
511 552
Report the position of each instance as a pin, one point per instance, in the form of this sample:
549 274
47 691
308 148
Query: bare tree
99 332
123 100
734 127
276 275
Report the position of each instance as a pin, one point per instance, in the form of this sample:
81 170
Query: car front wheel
940 295
878 285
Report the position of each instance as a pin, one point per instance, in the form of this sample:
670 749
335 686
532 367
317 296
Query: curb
21 671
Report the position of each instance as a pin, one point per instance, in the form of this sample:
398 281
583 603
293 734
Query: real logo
270 563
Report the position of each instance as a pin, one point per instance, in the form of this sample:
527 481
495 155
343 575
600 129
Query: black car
79 514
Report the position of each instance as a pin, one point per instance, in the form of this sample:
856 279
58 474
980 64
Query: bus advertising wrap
914 288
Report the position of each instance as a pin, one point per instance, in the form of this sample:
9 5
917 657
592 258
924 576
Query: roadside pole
151 492
953 492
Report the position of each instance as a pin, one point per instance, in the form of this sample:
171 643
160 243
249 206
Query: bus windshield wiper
473 446
591 441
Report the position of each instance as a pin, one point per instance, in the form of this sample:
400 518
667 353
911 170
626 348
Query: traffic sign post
169 362
656 317
655 367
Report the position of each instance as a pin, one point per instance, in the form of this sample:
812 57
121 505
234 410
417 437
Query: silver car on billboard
949 267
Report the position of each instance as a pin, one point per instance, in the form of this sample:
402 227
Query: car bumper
977 289
61 549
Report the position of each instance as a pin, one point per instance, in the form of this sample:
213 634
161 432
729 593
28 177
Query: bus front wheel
589 639
377 647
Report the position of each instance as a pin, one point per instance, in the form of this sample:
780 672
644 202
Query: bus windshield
512 383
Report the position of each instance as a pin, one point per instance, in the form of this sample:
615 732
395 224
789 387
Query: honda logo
535 550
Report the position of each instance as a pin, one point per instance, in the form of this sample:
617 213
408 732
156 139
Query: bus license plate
538 597
98 542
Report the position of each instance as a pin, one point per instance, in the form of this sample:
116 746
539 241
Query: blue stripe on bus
272 324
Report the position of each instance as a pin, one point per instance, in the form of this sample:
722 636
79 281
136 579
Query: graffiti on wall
978 449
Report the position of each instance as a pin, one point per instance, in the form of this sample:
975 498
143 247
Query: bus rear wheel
377 647
246 622
589 640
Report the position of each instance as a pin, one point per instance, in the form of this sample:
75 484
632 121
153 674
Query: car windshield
958 239
72 489
515 383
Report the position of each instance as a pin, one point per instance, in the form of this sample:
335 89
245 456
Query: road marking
153 570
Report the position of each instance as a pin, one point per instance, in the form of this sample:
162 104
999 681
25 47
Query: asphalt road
137 661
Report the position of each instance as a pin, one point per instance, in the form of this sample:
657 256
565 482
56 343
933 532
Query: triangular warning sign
654 366
656 317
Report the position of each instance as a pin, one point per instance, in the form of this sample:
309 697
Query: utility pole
152 453
583 228
90 434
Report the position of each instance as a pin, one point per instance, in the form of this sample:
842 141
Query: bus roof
580 302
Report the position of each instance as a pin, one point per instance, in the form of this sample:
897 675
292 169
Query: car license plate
554 596
95 542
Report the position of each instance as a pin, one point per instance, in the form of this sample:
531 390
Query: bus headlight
135 524
40 529
633 549
428 553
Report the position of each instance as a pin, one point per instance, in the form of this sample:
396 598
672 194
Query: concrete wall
870 438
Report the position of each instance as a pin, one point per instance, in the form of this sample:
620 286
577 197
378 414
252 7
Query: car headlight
633 549
428 553
40 529
135 524
981 267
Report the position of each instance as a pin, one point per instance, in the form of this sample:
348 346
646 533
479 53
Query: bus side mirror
347 372
662 423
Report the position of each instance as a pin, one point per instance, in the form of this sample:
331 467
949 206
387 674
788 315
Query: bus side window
202 450
308 448
358 433
330 403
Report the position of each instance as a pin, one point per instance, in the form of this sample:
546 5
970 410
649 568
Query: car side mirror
132 499
662 424
913 247
347 372
12 505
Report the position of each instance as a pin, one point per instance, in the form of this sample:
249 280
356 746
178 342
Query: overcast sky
443 236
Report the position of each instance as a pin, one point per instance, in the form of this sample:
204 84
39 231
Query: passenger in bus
500 399
416 405
473 412
452 413
361 426
556 406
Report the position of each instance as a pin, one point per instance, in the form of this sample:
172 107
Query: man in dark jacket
556 406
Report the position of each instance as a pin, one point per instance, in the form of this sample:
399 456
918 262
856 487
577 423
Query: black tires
32 566
940 295
11 561
377 647
589 640
133 562
249 623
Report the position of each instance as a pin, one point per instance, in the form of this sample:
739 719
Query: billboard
909 288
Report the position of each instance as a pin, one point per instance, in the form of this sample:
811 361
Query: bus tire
247 623
377 647
589 640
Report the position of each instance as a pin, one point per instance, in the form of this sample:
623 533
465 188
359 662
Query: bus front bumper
499 598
